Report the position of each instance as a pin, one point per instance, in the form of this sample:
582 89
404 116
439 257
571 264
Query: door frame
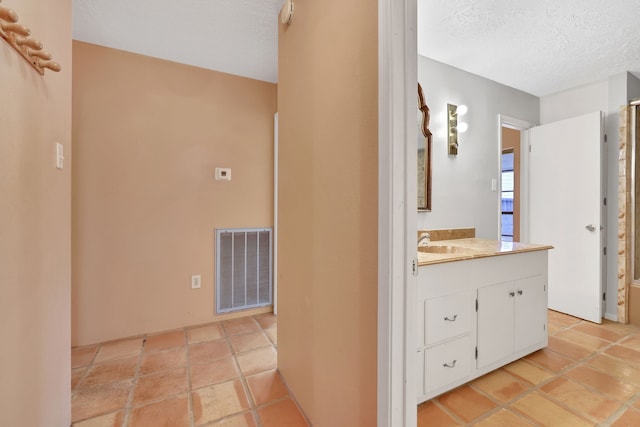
522 126
397 212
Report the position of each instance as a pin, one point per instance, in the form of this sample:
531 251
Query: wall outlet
223 174
196 282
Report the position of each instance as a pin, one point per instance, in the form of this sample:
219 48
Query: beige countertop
475 248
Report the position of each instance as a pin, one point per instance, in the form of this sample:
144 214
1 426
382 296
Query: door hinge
476 305
544 327
605 137
604 296
476 352
414 266
605 201
604 250
529 147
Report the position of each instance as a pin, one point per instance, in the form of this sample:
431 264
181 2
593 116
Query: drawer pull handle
520 292
453 364
451 319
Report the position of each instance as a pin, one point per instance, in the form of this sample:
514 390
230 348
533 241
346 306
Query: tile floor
220 374
589 375
223 374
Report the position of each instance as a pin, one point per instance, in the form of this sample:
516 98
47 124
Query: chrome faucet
424 237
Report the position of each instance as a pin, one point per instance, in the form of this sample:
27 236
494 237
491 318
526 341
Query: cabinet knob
520 292
453 364
451 319
512 294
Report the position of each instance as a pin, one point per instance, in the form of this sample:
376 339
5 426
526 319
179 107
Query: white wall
461 192
574 102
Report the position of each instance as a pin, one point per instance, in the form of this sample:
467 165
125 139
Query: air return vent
243 269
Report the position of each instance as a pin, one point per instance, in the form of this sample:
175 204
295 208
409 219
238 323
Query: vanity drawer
448 362
449 316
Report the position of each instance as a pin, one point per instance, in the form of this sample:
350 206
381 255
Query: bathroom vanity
481 304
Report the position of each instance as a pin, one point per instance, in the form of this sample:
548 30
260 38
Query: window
507 187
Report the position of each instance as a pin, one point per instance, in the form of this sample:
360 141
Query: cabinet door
495 323
530 312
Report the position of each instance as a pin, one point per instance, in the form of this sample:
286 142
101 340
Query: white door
565 210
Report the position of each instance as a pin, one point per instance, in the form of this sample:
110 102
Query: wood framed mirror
424 154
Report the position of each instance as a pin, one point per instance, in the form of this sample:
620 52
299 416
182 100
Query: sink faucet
424 237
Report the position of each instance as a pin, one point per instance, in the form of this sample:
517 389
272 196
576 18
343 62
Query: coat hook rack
18 37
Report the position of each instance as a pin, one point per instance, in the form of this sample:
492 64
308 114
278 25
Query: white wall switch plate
223 174
59 156
494 184
196 282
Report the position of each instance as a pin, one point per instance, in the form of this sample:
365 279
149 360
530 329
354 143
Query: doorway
510 185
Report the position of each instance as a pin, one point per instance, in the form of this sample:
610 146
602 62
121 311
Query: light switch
494 184
223 174
59 155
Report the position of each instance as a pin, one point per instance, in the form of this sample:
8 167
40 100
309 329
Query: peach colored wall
35 228
327 210
148 135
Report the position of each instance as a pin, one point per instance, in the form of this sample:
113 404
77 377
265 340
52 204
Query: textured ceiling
538 46
233 36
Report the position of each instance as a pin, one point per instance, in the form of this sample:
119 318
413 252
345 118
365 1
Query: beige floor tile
624 353
630 418
266 387
218 401
246 342
208 351
76 376
581 400
564 320
602 382
527 372
546 412
258 360
272 333
598 331
214 372
549 360
430 414
114 419
110 372
617 368
241 325
567 348
267 321
632 342
103 399
160 386
280 414
163 360
172 412
83 356
553 328
119 350
165 341
583 340
466 403
499 385
241 420
205 333
502 418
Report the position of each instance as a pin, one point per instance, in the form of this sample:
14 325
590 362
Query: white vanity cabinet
476 315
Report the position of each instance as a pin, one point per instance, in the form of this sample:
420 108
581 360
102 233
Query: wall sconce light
453 112
452 127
